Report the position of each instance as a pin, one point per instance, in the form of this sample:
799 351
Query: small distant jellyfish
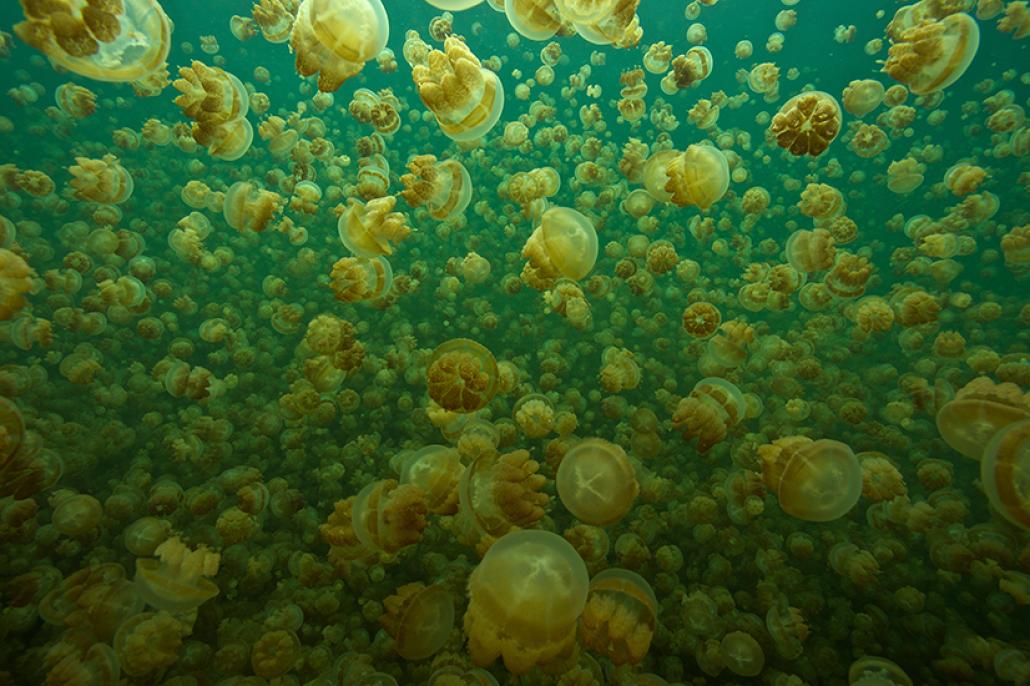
462 375
817 481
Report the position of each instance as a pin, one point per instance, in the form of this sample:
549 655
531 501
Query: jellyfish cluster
535 342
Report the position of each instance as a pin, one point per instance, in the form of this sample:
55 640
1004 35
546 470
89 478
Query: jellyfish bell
929 55
454 5
817 481
534 19
596 482
807 123
462 375
335 38
564 244
1005 473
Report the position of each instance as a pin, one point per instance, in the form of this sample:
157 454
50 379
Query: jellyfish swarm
619 619
370 229
176 581
931 54
698 176
596 482
817 481
713 407
334 38
978 412
563 244
524 600
465 97
807 123
123 41
419 619
462 375
445 188
1005 473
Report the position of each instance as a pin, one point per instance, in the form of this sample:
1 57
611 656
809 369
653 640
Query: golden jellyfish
75 514
701 319
356 279
807 123
876 671
110 41
178 580
1005 473
465 97
436 470
713 407
905 175
534 19
787 628
498 493
76 101
248 207
931 54
105 180
462 375
862 97
335 38
817 481
96 598
370 229
979 410
869 140
620 616
12 430
16 278
1015 246
741 653
596 482
419 618
525 598
217 102
699 176
810 251
445 188
563 244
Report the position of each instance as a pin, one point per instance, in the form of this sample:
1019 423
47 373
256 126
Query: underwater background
699 357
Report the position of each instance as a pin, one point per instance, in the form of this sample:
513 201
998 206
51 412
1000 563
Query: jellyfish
619 619
370 229
498 493
810 251
807 123
419 619
563 244
525 598
596 482
932 54
978 412
465 97
534 19
445 188
16 278
248 207
876 671
817 481
741 653
335 38
699 176
436 470
123 41
862 97
218 103
462 375
382 519
713 407
76 101
356 279
1005 473
105 180
178 580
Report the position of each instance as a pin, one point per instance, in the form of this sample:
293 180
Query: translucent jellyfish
932 54
218 103
382 519
817 481
466 98
12 430
370 229
596 482
248 207
149 641
603 22
810 251
75 514
436 469
16 278
1005 473
275 19
97 598
807 123
713 407
534 19
563 244
498 493
619 619
75 101
978 412
699 176
862 97
356 279
334 38
876 671
787 629
105 180
177 581
462 375
124 41
742 654
454 5
445 188
419 618
525 598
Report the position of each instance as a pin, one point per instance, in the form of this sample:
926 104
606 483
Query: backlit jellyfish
497 494
16 278
110 41
178 580
525 598
1005 473
275 18
701 319
465 97
563 244
462 375
876 671
248 207
596 482
217 102
979 410
713 407
862 97
807 123
381 520
810 251
817 481
370 229
334 38
419 618
699 176
356 279
76 101
534 19
445 188
105 180
905 175
604 22
869 140
620 616
436 470
931 54
742 654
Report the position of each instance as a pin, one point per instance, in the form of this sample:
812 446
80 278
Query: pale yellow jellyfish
177 581
248 207
817 481
596 482
699 176
371 229
876 671
15 281
356 279
1005 473
932 54
534 19
810 251
444 187
980 410
123 41
419 619
713 407
462 375
620 616
218 103
563 244
105 180
525 598
807 123
862 97
334 38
